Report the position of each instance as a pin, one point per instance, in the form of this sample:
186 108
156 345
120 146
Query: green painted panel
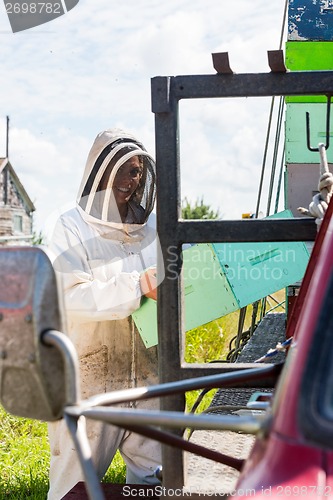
305 99
207 294
221 278
145 319
255 270
302 56
309 56
296 150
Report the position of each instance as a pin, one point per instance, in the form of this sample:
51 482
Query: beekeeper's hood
110 150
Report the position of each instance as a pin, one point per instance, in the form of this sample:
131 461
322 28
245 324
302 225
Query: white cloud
91 69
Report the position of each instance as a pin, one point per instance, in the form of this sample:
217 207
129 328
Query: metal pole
170 319
76 427
7 137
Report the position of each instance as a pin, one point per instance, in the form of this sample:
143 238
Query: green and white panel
296 150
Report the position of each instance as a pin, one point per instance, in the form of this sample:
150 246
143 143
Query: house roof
5 162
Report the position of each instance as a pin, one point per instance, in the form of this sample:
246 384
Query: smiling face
119 182
126 182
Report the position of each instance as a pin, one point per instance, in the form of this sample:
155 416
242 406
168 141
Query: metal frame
175 377
145 422
39 372
167 91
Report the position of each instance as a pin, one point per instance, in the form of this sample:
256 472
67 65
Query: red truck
293 453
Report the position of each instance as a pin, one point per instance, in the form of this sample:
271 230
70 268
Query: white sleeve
87 298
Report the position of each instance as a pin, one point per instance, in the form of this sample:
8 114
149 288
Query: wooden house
16 208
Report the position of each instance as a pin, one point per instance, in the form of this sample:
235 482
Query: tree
198 211
37 238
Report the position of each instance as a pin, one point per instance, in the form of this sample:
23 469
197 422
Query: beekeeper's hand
148 283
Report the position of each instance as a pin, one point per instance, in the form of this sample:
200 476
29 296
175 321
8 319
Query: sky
91 69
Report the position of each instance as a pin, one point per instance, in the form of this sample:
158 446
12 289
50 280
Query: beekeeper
104 251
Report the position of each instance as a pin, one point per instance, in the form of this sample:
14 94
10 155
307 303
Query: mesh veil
104 161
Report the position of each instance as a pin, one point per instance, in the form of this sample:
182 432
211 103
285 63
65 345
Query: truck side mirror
32 376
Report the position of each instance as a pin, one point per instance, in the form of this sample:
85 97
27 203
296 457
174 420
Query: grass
25 459
24 449
213 341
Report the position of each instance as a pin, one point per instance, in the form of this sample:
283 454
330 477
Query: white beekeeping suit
99 257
